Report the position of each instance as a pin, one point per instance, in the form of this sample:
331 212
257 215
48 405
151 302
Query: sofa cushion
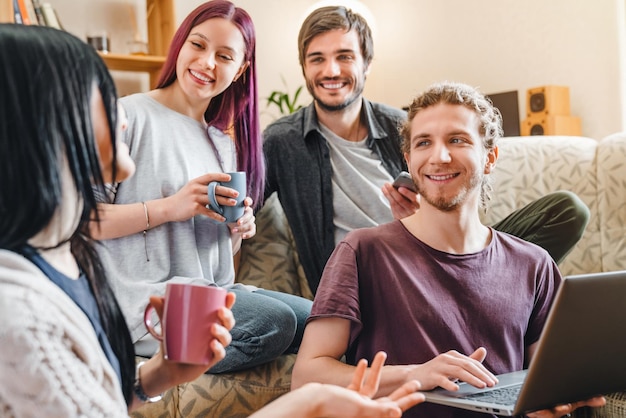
612 201
269 259
233 395
531 167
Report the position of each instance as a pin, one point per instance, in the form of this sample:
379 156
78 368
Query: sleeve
270 163
45 369
548 281
338 292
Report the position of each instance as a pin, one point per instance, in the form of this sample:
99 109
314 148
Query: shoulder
138 108
384 112
366 237
286 127
134 100
518 247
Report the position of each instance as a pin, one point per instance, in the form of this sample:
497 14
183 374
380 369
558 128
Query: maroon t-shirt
414 302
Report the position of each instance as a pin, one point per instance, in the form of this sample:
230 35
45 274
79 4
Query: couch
528 168
268 261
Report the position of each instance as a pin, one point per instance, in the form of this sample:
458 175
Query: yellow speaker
548 100
551 125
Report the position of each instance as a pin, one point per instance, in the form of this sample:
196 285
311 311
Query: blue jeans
268 324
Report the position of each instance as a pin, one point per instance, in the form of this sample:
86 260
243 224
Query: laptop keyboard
501 396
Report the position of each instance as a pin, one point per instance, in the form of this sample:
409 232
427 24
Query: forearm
120 220
321 370
331 371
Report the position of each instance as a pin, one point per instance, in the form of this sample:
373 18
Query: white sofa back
530 167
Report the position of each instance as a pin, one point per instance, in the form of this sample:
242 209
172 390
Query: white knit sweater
51 364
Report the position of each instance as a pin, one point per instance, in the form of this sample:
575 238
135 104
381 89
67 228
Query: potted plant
286 103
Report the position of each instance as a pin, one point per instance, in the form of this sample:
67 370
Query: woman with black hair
66 349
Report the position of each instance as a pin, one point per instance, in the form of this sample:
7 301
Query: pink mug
188 313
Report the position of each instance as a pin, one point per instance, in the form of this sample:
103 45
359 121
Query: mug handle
213 205
147 320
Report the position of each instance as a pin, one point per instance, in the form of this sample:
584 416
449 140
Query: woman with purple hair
199 123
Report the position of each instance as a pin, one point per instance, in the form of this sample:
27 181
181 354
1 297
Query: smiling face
447 159
334 69
211 58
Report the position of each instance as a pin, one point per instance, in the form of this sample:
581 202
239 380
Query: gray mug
237 182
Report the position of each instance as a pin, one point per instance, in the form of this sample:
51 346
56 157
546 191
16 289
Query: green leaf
282 100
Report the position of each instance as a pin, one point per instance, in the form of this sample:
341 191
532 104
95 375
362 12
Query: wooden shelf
160 19
124 62
144 63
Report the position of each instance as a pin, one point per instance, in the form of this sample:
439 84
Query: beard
349 100
450 203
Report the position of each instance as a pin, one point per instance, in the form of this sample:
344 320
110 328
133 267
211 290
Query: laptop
581 353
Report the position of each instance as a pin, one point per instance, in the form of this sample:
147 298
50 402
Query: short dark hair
329 18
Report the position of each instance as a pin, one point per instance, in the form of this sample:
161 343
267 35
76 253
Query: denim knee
264 329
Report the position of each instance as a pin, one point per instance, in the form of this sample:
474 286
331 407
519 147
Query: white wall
498 45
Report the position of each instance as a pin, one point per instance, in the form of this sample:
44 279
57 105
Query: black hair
47 79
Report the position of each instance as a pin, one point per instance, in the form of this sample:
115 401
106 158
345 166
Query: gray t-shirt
169 149
357 178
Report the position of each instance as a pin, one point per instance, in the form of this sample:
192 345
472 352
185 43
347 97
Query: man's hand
448 368
403 201
566 410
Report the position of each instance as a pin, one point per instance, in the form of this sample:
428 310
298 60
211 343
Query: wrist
140 388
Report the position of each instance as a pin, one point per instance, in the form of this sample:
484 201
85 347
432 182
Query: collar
375 130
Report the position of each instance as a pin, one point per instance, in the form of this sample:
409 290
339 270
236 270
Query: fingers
445 369
225 314
359 376
410 196
230 300
565 410
407 395
476 371
209 177
402 201
372 380
246 225
221 334
593 402
226 196
219 352
479 355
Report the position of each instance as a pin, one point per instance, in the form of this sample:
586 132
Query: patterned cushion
612 201
531 167
269 259
233 395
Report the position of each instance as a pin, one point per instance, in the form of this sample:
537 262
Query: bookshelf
161 27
